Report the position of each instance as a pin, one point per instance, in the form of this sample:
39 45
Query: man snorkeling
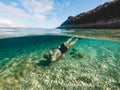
57 53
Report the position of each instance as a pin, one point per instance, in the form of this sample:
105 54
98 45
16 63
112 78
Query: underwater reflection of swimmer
57 53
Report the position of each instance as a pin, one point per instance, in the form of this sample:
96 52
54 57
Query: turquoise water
88 65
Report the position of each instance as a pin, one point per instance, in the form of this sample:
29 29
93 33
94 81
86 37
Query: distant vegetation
104 16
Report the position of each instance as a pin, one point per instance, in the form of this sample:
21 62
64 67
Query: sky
42 13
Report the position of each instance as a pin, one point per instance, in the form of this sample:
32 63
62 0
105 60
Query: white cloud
14 4
8 23
17 13
32 12
38 6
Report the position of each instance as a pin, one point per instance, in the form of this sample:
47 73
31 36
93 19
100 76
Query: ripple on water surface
89 64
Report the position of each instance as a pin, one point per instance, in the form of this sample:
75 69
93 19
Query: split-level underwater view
90 64
59 44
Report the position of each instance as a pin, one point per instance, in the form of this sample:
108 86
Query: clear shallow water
89 64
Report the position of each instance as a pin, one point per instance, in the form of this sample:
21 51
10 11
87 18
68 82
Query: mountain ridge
103 16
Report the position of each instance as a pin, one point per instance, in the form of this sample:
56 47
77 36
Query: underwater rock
11 80
78 55
75 54
116 84
74 50
19 74
67 68
103 67
97 88
85 79
71 53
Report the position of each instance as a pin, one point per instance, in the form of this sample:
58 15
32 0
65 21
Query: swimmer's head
46 56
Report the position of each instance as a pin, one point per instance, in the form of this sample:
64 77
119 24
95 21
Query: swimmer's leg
68 41
72 43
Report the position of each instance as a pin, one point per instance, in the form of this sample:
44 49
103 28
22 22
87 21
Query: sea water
88 65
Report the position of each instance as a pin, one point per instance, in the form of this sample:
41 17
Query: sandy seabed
88 65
